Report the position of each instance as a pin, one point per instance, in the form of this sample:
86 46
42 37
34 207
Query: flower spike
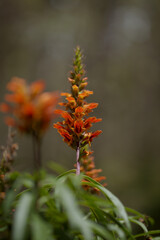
75 127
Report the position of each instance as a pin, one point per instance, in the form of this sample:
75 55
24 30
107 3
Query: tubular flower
88 168
75 127
31 108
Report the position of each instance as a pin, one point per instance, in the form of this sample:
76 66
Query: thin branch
77 160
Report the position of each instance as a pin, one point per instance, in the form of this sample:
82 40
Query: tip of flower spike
77 48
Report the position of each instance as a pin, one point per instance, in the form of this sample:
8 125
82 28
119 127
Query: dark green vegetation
45 207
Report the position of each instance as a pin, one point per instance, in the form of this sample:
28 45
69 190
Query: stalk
37 151
77 160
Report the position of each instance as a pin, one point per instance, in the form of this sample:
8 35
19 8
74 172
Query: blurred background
121 43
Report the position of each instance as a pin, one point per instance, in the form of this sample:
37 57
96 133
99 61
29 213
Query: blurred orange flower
31 108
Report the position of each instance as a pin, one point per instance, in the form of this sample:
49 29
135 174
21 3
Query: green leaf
74 214
147 234
101 231
21 193
21 216
67 173
140 224
11 195
41 230
120 210
48 182
116 229
42 200
119 225
130 210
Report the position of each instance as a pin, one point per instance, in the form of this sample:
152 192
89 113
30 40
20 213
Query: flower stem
37 151
77 160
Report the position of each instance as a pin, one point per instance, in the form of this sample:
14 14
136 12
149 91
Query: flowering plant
75 127
31 108
41 206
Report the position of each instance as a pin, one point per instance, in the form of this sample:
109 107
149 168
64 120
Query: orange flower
68 119
79 112
88 122
78 127
31 108
64 133
94 134
76 111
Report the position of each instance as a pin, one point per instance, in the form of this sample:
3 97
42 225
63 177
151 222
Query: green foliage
45 207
